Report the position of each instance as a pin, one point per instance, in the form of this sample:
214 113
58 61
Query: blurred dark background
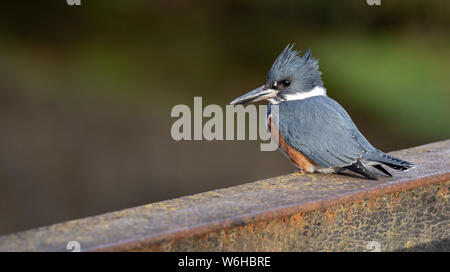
86 92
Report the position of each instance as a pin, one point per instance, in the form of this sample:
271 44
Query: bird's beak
262 93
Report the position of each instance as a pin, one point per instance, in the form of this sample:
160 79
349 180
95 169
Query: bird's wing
322 130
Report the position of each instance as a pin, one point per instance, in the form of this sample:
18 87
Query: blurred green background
86 92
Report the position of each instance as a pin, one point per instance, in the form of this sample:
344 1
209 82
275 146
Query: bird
314 131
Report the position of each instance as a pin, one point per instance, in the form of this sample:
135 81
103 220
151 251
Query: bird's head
291 75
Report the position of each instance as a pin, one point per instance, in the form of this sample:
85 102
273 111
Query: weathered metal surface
311 212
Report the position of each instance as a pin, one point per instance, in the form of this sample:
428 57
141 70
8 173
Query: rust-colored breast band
297 157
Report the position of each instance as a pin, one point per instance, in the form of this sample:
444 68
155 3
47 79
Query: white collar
316 91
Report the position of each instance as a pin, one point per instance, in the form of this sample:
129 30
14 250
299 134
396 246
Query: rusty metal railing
297 212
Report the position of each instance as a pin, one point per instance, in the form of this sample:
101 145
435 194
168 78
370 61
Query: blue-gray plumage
313 130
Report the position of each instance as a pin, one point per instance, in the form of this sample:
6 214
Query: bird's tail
391 161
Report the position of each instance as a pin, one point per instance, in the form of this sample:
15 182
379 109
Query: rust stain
348 212
372 203
442 192
298 220
330 215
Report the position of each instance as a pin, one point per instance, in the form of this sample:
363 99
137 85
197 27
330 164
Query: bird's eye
286 83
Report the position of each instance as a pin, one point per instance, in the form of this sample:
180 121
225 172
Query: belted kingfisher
311 129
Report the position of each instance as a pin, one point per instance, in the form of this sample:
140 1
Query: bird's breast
297 157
